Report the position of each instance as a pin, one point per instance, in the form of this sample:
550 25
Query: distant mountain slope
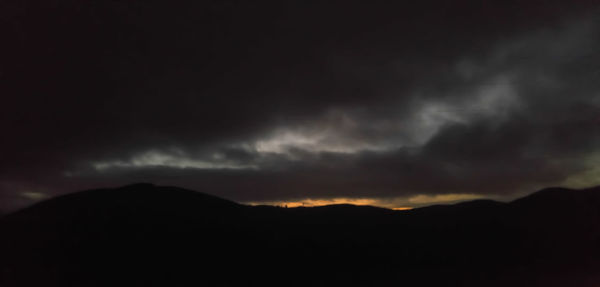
146 235
560 198
142 197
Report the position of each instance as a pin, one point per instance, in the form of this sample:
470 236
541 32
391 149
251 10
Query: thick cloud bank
291 100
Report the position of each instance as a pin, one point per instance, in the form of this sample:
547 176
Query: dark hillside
146 235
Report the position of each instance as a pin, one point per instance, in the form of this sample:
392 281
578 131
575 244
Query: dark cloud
294 99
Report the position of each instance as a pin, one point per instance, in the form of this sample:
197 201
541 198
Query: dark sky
395 102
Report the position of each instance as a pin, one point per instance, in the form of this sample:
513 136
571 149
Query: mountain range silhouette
147 235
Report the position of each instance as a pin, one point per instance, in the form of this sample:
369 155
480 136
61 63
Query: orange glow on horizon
402 208
331 201
398 203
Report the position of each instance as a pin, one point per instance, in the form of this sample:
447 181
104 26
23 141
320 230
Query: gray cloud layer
281 100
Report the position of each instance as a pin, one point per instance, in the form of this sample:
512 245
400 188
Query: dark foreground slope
144 235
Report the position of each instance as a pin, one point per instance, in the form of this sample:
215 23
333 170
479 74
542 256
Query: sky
389 103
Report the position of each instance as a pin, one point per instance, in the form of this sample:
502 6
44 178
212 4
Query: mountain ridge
135 190
144 234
